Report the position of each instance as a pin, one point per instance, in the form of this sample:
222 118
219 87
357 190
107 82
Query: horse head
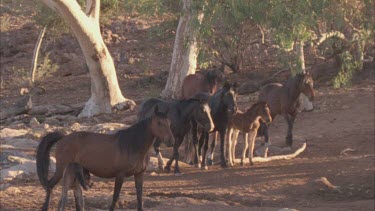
264 111
202 114
306 85
229 96
160 126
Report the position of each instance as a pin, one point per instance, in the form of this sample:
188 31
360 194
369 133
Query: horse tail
79 174
43 156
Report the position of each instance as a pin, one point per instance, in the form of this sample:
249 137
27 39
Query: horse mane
133 138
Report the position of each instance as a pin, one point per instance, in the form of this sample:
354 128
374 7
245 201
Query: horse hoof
191 163
167 170
204 167
198 165
230 164
224 165
242 164
289 143
178 174
210 162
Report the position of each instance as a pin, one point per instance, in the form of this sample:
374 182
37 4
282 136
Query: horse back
147 107
272 94
192 85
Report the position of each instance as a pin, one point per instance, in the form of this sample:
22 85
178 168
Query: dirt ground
342 119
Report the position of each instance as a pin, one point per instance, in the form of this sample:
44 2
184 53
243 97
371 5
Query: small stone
153 173
131 61
75 126
24 91
34 122
13 190
345 107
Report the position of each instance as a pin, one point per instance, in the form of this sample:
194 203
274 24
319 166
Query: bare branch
93 9
35 55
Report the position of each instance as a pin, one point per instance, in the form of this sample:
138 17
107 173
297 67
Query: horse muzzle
169 141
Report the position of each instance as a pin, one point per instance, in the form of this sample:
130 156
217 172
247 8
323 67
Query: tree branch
93 9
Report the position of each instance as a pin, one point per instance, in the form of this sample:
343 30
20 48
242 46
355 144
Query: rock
12 133
20 143
107 127
75 126
22 106
24 91
12 190
131 61
4 186
34 122
37 133
52 121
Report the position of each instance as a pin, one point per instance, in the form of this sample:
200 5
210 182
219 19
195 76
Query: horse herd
203 109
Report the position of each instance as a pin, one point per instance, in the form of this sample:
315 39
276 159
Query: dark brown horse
248 123
284 100
118 155
197 83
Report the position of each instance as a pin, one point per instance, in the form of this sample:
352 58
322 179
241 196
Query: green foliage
46 68
347 69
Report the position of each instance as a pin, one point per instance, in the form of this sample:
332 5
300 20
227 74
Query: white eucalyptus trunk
306 104
105 91
185 52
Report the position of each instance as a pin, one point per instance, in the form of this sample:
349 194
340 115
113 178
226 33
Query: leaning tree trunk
105 91
185 51
306 105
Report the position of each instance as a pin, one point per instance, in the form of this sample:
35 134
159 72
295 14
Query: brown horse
196 83
284 100
73 177
118 155
248 123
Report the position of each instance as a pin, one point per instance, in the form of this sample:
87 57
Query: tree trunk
305 103
185 51
105 91
34 62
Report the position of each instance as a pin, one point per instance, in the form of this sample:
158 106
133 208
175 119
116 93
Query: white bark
105 91
35 56
185 51
306 104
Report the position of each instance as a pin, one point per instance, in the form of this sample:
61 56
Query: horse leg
230 160
139 189
116 193
78 197
54 180
195 142
67 181
210 160
201 142
234 143
222 150
264 130
245 139
205 137
289 136
176 155
252 137
158 154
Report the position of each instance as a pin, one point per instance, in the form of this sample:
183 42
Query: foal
248 123
118 155
284 100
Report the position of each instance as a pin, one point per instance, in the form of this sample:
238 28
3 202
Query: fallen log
276 157
22 106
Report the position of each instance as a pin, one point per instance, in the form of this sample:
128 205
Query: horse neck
215 102
138 138
186 110
293 90
251 115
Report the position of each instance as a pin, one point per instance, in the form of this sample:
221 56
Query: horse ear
156 110
226 85
235 85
